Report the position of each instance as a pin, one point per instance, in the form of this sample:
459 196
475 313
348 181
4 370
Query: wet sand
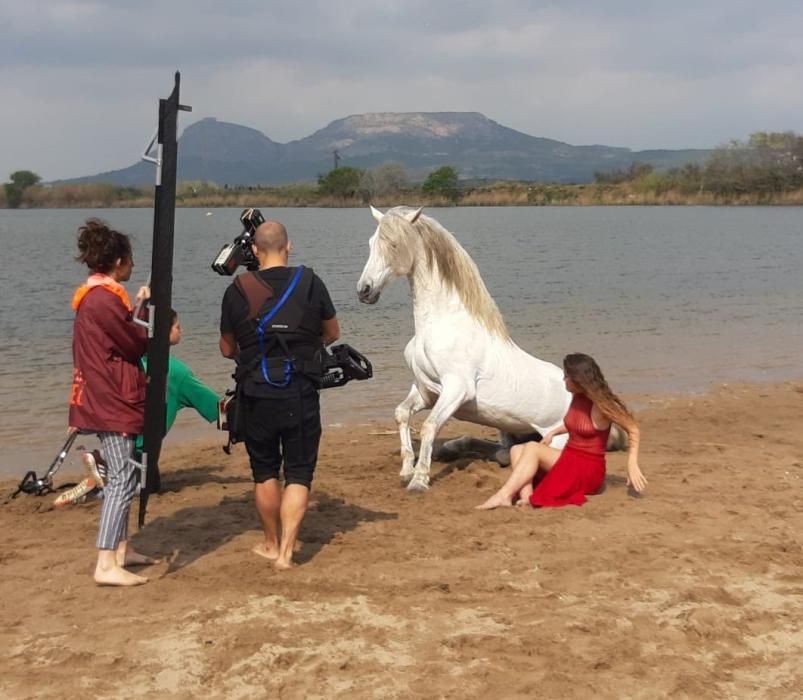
694 590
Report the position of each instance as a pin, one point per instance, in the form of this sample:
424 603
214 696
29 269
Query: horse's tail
617 439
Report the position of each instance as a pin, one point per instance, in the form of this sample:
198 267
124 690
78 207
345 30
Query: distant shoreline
303 196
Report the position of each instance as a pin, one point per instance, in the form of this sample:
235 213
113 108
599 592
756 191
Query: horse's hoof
418 486
404 481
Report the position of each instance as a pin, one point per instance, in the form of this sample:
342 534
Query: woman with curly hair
108 390
546 477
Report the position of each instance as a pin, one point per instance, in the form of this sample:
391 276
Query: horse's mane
457 270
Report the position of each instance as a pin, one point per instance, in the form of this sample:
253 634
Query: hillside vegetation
765 169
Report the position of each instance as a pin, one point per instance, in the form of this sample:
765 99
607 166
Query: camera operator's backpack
287 331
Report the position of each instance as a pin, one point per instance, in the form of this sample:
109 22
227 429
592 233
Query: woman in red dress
547 477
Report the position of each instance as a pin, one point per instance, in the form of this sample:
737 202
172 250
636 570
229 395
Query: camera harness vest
285 325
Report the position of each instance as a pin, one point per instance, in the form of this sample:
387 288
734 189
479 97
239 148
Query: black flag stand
164 215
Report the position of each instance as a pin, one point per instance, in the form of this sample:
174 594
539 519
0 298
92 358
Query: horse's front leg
455 392
414 403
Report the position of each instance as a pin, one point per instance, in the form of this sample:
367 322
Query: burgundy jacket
108 390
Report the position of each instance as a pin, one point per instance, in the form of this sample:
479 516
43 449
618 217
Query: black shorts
283 431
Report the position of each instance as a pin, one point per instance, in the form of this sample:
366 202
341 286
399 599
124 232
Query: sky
80 81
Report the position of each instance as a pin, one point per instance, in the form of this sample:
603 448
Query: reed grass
502 194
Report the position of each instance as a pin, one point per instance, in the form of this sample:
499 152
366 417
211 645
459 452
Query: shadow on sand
617 481
178 479
459 453
199 530
330 516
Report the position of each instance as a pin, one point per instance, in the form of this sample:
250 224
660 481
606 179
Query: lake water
667 299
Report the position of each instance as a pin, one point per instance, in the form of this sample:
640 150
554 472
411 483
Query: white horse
463 360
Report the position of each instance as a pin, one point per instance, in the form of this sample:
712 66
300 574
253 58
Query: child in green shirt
184 389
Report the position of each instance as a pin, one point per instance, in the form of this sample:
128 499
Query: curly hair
586 374
100 246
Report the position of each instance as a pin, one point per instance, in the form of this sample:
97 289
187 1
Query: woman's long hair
100 246
586 374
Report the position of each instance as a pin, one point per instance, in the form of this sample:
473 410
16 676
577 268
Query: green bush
442 181
340 182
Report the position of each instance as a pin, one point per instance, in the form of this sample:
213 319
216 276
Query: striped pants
121 487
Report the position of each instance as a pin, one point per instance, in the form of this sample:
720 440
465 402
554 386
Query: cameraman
277 376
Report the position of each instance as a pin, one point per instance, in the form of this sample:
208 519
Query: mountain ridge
478 147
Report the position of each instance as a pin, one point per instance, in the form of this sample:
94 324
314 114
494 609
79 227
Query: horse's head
391 251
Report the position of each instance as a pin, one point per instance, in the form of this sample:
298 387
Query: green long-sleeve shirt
185 390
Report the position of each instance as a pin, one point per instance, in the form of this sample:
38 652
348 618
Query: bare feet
495 501
117 576
283 564
271 554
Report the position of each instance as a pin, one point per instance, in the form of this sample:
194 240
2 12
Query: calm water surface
667 299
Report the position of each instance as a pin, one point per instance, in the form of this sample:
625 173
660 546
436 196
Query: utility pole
336 157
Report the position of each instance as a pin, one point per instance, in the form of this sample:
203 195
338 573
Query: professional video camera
239 252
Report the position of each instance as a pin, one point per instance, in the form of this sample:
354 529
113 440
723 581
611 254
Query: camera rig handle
342 363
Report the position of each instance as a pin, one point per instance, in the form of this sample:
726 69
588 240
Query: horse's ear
377 214
412 216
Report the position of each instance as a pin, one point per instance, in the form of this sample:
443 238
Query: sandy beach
691 591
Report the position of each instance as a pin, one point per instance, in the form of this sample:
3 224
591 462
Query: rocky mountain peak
415 124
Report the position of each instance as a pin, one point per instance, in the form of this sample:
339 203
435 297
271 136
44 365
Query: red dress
580 469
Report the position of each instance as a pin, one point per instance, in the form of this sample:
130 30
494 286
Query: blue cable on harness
288 364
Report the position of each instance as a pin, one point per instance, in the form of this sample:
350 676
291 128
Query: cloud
81 80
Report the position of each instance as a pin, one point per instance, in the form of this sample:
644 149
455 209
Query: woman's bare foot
117 576
495 501
283 564
262 550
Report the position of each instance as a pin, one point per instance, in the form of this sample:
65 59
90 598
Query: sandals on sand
95 471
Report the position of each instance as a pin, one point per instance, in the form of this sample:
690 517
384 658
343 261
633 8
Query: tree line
766 167
766 163
389 178
342 184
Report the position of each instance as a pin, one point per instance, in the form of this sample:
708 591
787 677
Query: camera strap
260 331
257 292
